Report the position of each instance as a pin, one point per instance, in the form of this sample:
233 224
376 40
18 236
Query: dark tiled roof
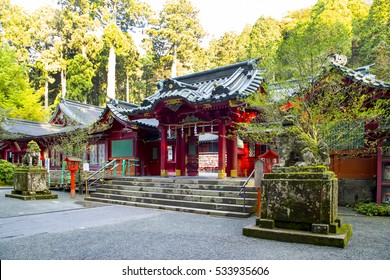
208 137
147 122
211 86
24 128
119 108
361 77
78 112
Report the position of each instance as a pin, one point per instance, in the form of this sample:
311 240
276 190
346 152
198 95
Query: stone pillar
259 172
163 151
300 205
300 199
221 150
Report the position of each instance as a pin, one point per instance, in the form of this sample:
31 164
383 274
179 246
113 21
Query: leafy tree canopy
16 95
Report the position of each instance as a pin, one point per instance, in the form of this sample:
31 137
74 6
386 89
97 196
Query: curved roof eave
211 86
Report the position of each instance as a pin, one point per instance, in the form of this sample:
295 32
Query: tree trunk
111 74
46 93
127 88
63 83
173 73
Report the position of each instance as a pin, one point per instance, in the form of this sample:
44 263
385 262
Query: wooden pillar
233 157
183 152
178 153
164 152
229 147
221 150
379 174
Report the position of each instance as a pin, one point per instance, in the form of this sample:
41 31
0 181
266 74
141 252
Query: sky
218 16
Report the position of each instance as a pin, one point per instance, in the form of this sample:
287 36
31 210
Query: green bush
373 209
6 172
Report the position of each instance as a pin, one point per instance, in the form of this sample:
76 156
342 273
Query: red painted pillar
233 157
72 184
183 152
221 150
178 153
229 147
163 151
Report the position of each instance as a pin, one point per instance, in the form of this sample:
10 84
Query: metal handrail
96 172
242 190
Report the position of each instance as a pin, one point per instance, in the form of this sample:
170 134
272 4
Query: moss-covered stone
299 197
340 239
300 206
31 183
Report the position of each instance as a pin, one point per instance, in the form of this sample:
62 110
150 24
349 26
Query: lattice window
101 153
346 136
55 158
252 149
93 155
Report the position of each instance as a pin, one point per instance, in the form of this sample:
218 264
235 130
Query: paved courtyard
75 230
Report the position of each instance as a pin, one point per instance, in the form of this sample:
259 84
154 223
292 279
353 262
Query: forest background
49 53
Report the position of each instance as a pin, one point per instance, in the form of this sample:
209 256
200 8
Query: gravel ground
70 229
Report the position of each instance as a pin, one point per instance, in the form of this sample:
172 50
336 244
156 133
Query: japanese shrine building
188 124
185 109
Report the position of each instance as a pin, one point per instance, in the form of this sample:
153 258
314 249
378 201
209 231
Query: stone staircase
195 195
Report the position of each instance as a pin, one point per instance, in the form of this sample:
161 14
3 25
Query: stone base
339 239
36 196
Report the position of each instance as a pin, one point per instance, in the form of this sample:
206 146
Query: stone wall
352 191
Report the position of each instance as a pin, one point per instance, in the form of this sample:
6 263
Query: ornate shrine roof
360 75
118 109
29 129
225 83
71 112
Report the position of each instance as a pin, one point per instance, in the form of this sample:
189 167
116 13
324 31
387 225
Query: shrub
6 172
373 209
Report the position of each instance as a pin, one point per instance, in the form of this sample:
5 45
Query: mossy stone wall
30 181
300 197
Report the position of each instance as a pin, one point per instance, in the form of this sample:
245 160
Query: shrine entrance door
192 162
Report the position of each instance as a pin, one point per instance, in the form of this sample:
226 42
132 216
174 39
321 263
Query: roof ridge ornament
220 89
172 84
339 59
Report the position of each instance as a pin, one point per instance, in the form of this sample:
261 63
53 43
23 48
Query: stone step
186 181
190 194
172 202
173 208
250 193
179 185
228 199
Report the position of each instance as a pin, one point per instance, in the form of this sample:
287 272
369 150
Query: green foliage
16 95
265 38
79 82
223 51
74 143
375 30
295 47
6 172
306 46
176 33
373 209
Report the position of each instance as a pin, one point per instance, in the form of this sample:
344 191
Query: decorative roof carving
225 83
